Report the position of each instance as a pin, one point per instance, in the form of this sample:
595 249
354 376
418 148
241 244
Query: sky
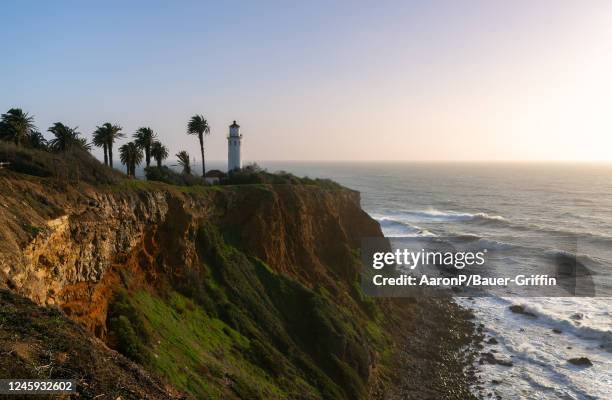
323 80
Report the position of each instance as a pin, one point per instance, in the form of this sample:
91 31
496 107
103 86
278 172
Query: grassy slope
244 331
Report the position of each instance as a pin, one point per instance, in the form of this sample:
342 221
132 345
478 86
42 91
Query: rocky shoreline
440 343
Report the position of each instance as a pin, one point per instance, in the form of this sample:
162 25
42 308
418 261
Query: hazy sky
309 80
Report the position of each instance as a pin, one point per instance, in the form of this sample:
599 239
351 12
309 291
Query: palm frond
66 138
183 161
198 126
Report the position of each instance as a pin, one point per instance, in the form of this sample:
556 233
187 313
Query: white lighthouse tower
233 147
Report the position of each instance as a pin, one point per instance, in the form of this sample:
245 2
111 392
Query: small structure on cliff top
214 176
234 139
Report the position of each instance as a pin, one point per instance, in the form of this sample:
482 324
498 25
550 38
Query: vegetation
72 166
66 138
183 160
105 137
36 140
254 174
144 139
230 327
166 175
159 152
199 126
100 141
131 156
114 133
126 328
16 126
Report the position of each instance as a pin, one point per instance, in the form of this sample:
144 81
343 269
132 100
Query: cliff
230 292
146 290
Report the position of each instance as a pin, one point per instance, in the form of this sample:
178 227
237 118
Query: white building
234 140
214 176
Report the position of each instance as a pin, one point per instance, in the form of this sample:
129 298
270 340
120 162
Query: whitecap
394 228
433 215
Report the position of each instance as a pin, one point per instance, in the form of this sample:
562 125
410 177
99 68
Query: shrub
254 174
166 175
127 341
126 328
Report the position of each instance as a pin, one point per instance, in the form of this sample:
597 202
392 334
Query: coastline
436 340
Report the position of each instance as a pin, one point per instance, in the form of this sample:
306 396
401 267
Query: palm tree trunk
202 151
110 155
105 155
148 155
159 163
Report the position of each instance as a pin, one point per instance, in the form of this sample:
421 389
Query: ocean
528 209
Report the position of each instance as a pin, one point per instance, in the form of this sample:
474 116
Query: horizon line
483 161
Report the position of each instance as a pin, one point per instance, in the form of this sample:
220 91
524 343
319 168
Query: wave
491 244
433 215
465 236
570 257
479 242
568 324
395 228
448 216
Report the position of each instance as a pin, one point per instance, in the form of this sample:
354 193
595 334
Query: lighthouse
233 147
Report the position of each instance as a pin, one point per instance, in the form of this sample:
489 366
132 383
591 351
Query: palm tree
100 140
113 132
131 156
159 152
199 126
66 138
183 161
144 139
36 140
17 125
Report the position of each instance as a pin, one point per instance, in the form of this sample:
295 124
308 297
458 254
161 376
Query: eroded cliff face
276 265
61 246
64 246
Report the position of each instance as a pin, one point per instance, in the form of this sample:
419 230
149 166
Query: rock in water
580 361
489 358
517 309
